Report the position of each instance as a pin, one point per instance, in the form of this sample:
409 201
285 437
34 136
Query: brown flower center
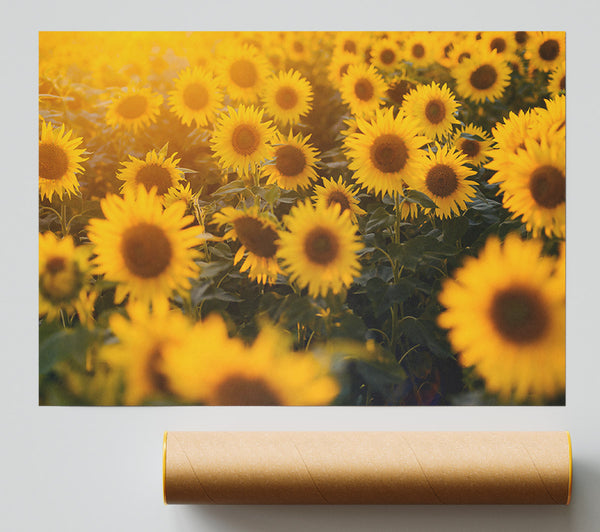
549 50
61 281
154 372
470 147
441 180
519 314
286 98
321 246
399 89
245 139
53 163
435 111
298 47
387 56
463 56
521 37
340 198
255 237
363 89
547 186
195 96
55 265
146 250
344 69
418 51
290 161
563 83
498 44
243 73
350 46
133 106
483 77
388 153
240 390
154 175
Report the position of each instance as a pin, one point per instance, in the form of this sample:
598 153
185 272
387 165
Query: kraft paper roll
367 467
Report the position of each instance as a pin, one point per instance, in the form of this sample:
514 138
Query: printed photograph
302 218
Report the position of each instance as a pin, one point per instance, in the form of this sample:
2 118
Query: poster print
302 218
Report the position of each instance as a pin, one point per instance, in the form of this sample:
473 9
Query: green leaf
65 343
221 251
425 332
380 218
455 228
470 136
415 196
235 187
211 269
207 292
272 194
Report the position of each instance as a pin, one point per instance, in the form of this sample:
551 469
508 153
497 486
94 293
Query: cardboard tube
367 467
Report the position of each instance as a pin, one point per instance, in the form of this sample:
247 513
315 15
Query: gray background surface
97 469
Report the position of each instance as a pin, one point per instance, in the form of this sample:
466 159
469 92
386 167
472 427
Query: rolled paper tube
367 467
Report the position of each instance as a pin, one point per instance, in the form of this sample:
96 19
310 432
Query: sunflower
196 98
419 49
155 171
477 151
340 63
134 109
385 55
398 89
408 210
320 249
293 163
59 160
287 97
546 49
64 276
386 153
434 108
267 373
444 179
209 342
510 135
241 139
146 342
534 185
298 45
557 83
337 192
445 44
481 77
462 48
243 71
550 121
362 89
350 42
147 250
257 234
501 42
505 311
181 193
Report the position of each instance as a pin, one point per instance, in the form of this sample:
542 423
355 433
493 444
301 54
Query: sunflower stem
63 217
396 271
397 221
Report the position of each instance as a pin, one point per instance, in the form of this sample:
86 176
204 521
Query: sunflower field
302 218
